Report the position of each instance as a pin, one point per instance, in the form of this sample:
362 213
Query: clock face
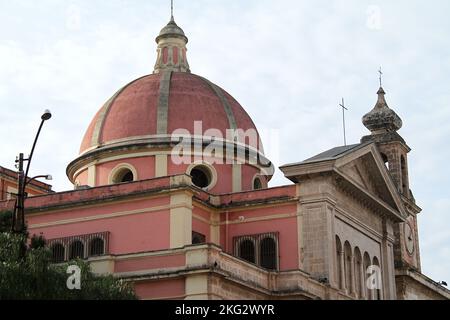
409 238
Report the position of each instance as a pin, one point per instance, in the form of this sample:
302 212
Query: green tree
27 273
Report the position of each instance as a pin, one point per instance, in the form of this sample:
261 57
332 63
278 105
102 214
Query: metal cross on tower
344 108
381 77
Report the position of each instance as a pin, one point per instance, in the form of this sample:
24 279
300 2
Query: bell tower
383 123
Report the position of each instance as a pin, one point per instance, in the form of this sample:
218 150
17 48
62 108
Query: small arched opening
247 250
76 250
268 253
96 247
58 253
339 262
257 184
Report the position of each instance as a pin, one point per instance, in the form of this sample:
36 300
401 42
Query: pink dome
133 111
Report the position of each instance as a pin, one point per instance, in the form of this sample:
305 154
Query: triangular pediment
358 168
365 168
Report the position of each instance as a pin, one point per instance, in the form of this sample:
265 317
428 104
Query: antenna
171 9
344 108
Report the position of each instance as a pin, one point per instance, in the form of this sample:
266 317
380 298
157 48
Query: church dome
172 122
162 103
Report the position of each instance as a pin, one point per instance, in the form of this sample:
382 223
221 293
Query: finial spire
171 48
381 119
381 77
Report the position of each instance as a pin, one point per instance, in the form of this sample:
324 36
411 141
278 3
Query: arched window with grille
268 253
96 247
247 250
76 250
58 253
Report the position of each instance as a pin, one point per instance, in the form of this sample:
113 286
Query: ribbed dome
159 104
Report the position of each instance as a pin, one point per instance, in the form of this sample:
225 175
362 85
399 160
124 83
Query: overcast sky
287 62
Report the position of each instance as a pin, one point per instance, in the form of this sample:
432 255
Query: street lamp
18 224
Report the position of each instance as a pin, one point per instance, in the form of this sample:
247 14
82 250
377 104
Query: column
342 264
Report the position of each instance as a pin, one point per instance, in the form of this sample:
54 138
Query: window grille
81 246
198 238
260 249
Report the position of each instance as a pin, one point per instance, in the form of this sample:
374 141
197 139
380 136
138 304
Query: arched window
124 175
268 253
358 272
404 175
377 290
347 266
96 247
366 265
198 238
339 262
385 160
76 250
58 253
257 184
247 250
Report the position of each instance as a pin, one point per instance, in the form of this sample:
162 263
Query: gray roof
333 153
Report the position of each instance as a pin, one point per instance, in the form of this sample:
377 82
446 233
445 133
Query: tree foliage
26 272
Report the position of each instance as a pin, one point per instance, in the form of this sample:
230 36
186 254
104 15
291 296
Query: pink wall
82 178
248 172
129 233
160 289
145 167
201 226
287 228
150 262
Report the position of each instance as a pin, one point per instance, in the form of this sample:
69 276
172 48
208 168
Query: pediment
365 168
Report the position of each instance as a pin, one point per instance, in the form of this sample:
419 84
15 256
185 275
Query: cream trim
214 228
200 218
237 177
92 175
160 165
180 220
196 286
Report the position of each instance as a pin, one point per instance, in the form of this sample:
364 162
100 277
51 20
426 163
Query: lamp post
18 224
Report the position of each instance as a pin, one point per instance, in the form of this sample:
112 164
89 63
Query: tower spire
171 11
